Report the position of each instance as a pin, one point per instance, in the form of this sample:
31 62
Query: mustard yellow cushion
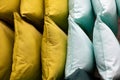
6 48
53 51
57 10
32 10
26 54
7 7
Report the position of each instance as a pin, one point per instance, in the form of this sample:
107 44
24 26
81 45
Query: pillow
57 10
32 10
6 49
79 74
81 11
107 10
107 51
118 6
7 7
53 51
26 54
79 50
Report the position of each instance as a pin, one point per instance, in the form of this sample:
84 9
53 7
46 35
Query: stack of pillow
59 39
54 41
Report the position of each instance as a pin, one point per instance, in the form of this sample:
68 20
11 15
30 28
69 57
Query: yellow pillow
6 48
57 10
53 51
32 10
7 7
26 54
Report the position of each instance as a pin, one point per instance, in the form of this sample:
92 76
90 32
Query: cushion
6 49
32 10
81 11
118 6
7 7
79 50
107 51
53 51
26 54
79 74
57 10
107 10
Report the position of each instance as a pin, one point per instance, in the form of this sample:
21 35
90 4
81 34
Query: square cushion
79 50
6 50
54 43
82 13
26 54
7 7
32 10
57 10
107 11
107 51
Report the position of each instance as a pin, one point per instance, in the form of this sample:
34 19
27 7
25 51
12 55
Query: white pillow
107 10
82 13
80 50
107 51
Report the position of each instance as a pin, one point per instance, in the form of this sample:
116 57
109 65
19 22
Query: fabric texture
32 11
54 43
80 50
81 11
107 51
57 10
6 49
7 7
26 54
107 11
79 74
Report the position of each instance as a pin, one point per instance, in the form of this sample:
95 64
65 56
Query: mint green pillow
107 10
118 6
107 51
79 50
82 13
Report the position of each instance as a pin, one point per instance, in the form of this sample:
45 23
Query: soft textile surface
32 10
107 10
107 51
118 6
7 7
80 50
79 74
81 11
26 54
53 51
6 48
57 10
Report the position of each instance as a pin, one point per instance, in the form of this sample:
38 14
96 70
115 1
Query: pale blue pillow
107 10
82 13
107 51
80 50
